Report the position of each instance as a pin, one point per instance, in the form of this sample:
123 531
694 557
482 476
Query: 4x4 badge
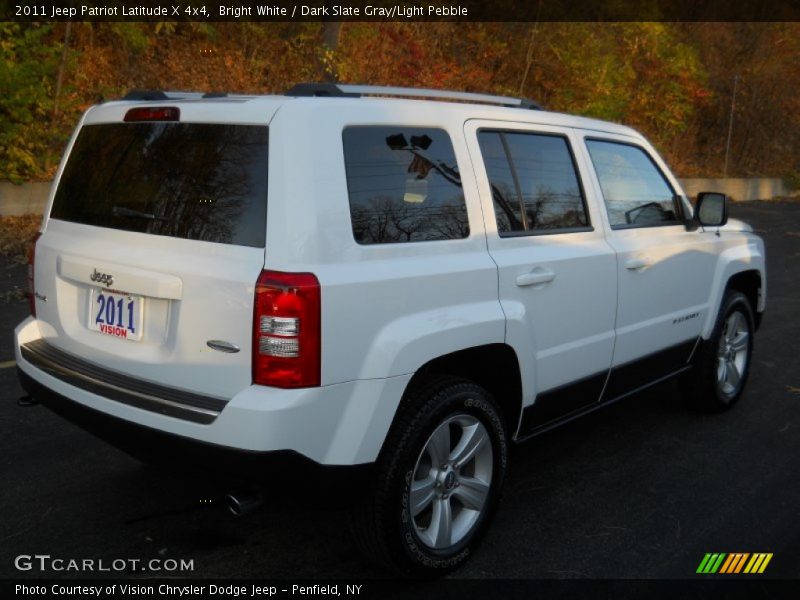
106 280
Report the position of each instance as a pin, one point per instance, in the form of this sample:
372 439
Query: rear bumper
335 425
186 455
122 388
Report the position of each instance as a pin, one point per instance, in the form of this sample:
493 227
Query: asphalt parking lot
641 490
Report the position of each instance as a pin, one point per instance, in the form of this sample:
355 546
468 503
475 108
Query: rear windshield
187 180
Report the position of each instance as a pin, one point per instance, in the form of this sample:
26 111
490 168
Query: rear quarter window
403 185
195 181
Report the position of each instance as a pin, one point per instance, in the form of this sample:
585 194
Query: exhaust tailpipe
241 503
27 401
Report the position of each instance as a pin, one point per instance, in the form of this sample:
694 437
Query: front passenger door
665 269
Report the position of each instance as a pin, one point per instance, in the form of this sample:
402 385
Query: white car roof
256 109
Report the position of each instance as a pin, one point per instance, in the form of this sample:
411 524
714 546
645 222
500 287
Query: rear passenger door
557 275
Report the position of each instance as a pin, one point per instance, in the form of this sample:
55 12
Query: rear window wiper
123 211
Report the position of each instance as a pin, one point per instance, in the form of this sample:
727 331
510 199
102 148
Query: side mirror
711 209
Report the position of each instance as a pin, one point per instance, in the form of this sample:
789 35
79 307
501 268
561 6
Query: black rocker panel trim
563 400
565 403
644 371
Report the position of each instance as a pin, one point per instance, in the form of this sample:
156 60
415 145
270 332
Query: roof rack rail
162 95
319 89
356 91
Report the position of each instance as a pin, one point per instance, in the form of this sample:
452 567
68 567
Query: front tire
438 480
723 365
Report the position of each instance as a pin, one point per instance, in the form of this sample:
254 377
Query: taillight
31 263
286 330
153 113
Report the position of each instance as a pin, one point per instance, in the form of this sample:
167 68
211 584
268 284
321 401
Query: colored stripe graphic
723 563
703 563
741 562
765 563
732 559
734 563
711 563
717 564
758 563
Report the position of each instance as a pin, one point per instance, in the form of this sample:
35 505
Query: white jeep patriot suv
352 279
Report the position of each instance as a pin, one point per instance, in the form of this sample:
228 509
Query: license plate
116 314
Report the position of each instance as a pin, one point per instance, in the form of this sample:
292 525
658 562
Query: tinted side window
404 185
635 192
186 180
534 182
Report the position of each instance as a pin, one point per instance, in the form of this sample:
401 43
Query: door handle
636 264
537 276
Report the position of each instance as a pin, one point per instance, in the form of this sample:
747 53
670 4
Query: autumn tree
672 81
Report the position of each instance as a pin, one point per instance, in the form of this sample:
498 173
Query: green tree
28 61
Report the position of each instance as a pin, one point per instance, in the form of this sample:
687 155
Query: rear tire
437 481
723 363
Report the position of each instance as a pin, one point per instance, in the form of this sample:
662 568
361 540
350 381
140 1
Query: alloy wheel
451 481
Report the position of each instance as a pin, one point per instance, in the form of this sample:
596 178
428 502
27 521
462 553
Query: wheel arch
740 267
748 282
494 367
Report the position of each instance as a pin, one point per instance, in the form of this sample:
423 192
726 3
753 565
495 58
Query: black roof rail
145 95
161 95
530 104
215 95
357 91
319 89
